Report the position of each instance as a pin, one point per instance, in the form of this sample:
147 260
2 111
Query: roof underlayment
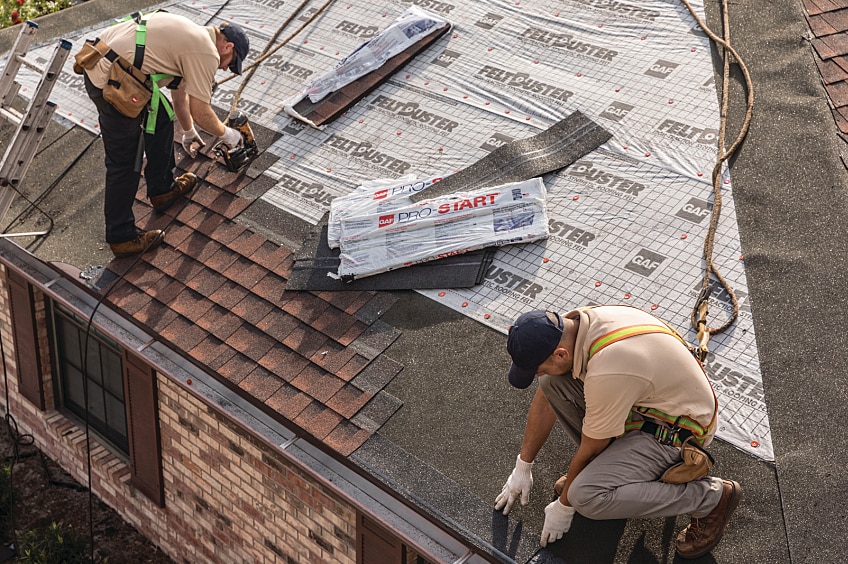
627 221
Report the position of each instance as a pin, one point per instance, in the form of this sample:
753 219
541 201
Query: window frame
71 408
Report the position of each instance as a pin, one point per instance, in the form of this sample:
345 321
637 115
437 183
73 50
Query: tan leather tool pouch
89 55
128 89
696 463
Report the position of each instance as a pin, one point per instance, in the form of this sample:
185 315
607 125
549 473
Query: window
104 376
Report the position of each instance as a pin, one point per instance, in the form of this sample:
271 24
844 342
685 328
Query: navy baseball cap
533 337
241 44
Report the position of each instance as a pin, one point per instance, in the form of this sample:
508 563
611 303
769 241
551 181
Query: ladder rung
29 64
12 115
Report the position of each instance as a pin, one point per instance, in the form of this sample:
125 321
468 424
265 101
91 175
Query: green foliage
57 544
16 11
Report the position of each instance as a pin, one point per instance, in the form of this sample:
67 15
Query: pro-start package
448 225
373 196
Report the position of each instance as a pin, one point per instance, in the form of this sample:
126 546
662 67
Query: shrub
13 12
55 544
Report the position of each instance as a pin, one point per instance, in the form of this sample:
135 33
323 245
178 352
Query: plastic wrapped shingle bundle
373 196
444 226
409 28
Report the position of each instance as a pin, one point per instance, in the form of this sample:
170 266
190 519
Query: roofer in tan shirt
176 46
628 391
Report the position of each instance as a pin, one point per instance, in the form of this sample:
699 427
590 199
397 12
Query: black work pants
121 138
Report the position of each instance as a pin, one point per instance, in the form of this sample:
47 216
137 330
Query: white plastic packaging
374 196
448 225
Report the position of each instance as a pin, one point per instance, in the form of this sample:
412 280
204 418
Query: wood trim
141 397
25 331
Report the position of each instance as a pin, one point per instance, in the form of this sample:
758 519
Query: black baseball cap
533 337
241 44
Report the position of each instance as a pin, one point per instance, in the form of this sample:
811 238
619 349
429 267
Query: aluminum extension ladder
32 123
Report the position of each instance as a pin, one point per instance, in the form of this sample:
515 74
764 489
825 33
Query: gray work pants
623 481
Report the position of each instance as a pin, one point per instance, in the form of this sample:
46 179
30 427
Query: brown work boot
182 186
144 241
703 534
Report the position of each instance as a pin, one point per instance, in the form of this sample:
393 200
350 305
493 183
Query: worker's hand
557 521
231 138
518 484
192 142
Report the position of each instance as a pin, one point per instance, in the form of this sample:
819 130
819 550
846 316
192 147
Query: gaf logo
385 220
645 263
616 111
495 141
695 210
489 21
293 127
446 58
308 13
661 69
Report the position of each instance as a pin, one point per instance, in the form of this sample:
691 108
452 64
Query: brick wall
229 496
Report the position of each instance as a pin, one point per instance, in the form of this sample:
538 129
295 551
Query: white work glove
519 483
231 138
557 521
190 138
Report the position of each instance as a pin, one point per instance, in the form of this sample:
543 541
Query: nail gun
237 158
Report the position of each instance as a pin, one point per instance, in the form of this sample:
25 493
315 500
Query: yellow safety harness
680 427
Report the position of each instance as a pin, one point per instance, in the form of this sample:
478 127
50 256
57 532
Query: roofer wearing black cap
627 390
184 56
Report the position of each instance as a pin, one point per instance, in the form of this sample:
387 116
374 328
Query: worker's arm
588 450
559 513
181 108
205 116
540 421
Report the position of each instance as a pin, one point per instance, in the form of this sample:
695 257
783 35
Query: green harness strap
699 432
157 98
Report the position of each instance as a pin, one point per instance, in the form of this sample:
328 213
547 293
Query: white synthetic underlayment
627 221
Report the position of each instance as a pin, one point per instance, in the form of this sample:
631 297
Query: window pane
115 416
69 342
72 387
96 406
93 360
113 378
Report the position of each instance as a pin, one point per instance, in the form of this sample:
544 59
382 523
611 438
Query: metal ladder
32 123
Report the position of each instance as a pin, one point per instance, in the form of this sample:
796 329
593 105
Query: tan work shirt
652 370
174 45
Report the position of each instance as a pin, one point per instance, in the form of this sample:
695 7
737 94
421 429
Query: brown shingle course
155 315
317 382
253 309
237 368
272 288
251 342
288 401
305 306
261 384
346 437
348 400
220 322
191 304
305 340
183 333
228 294
317 420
